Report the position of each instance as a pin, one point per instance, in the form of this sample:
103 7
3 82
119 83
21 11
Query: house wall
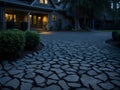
59 17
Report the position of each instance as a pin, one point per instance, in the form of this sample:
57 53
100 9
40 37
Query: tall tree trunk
77 24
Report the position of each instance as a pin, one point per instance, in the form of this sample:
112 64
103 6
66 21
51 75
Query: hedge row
116 35
13 42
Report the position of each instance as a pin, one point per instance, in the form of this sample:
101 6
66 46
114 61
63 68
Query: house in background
39 14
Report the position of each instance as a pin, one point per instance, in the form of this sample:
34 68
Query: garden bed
113 43
25 53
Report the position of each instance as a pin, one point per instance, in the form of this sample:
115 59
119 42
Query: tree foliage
86 8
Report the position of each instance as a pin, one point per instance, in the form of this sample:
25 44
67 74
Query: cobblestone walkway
69 61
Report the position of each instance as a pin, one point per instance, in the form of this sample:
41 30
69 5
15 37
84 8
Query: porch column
2 18
28 21
49 21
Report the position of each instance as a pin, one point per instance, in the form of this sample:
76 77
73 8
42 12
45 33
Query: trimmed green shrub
32 40
24 26
10 25
12 43
116 35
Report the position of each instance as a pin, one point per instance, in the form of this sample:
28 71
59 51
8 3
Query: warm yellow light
46 1
45 19
39 17
41 1
47 33
6 15
25 18
14 18
30 16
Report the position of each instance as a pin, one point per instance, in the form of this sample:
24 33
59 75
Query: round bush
116 35
32 39
12 43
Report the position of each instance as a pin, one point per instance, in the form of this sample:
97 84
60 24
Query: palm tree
90 8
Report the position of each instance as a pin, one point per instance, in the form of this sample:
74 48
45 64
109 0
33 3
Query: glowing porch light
39 17
6 15
30 16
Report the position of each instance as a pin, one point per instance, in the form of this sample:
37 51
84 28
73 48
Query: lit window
59 0
118 5
112 5
45 19
14 18
10 17
42 1
46 1
30 19
54 17
34 19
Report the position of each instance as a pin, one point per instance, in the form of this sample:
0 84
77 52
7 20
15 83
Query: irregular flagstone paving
69 61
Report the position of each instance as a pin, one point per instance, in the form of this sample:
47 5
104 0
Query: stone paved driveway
69 61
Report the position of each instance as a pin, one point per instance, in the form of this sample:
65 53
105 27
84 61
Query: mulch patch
40 47
113 43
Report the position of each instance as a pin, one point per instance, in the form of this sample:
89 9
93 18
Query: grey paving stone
30 66
56 66
90 81
52 87
116 82
46 68
3 80
86 65
8 66
71 70
5 89
46 65
72 78
65 67
107 85
25 86
81 72
39 80
83 89
92 72
30 55
19 75
102 77
64 85
36 63
75 85
14 83
30 75
37 88
112 74
61 75
96 69
14 71
47 74
27 80
49 82
57 70
54 77
74 62
40 71
84 68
